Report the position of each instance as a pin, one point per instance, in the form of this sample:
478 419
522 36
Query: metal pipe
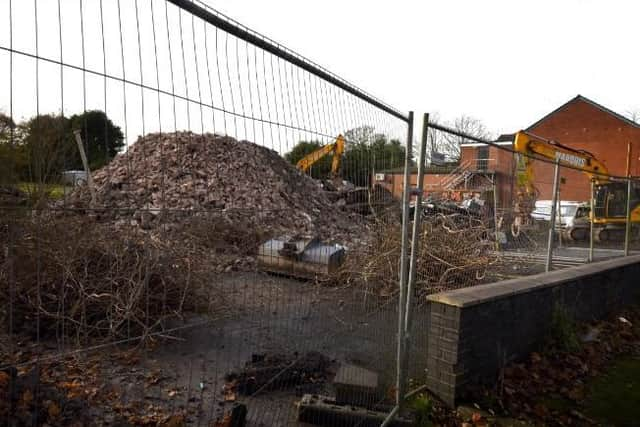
85 164
592 215
391 416
403 261
495 212
277 50
552 225
396 409
628 159
415 245
627 228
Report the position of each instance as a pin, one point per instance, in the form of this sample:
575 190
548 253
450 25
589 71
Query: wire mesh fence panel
196 223
511 187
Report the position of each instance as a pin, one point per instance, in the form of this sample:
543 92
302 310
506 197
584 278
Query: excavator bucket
300 257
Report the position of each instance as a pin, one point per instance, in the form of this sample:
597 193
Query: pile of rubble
164 177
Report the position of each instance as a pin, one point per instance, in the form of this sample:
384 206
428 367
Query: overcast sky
505 62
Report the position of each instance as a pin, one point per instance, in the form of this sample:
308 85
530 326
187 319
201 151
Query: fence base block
323 411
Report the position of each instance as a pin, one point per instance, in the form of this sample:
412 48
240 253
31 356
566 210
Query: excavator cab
610 200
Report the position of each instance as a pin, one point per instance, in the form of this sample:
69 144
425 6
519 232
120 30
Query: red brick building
580 123
586 125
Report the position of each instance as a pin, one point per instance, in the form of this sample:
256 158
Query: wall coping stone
479 294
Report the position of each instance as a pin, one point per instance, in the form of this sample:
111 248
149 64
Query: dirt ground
183 374
269 314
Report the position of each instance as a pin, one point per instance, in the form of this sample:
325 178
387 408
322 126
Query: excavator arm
337 148
530 146
608 215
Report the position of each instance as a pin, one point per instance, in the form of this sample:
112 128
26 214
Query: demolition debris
166 177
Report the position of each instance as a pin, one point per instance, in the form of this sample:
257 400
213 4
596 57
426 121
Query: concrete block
356 386
323 411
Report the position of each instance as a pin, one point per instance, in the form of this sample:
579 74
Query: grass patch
557 403
564 331
52 191
614 397
422 408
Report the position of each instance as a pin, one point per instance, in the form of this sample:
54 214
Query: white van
571 217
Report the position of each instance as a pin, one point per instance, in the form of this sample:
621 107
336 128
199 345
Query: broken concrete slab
323 411
356 386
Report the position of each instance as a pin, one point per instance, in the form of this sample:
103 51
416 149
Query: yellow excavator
337 148
609 213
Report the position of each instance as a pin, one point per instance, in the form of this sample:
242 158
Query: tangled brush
455 251
72 276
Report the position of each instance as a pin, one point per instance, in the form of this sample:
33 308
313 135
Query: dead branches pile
72 276
455 251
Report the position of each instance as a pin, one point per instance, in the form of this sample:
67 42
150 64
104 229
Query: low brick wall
473 332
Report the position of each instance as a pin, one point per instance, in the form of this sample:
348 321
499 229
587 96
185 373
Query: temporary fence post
400 381
592 216
495 212
627 231
415 241
552 222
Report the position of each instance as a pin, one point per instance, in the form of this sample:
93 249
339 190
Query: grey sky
505 62
208 80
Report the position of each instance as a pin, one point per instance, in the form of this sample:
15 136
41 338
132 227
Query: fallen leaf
224 422
4 379
53 409
175 420
476 417
540 410
27 397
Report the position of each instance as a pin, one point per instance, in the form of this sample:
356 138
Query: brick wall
584 126
473 332
394 182
581 125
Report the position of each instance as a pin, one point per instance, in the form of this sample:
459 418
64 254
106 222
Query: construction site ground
563 256
271 314
264 314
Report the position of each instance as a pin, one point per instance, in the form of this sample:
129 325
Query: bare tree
633 115
449 144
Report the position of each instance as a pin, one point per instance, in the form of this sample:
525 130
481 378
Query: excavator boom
609 212
528 144
337 148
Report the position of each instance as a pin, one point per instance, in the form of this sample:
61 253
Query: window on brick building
482 158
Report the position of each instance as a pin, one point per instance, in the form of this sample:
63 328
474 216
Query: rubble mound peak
188 172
